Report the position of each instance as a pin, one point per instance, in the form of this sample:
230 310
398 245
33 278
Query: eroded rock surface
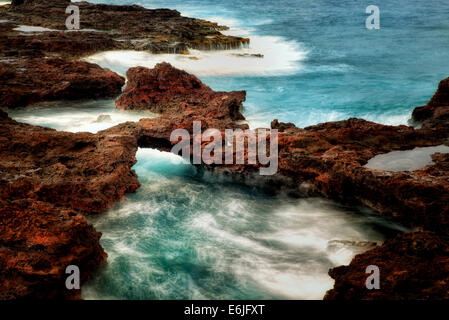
436 113
110 27
31 69
174 93
28 81
48 181
412 266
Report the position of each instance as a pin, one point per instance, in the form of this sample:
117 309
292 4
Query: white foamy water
408 160
280 57
180 237
24 28
32 29
77 116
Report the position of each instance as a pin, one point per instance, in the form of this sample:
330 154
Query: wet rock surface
172 93
30 58
110 27
49 181
28 81
412 266
436 113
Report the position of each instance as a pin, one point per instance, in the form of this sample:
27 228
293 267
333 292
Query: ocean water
321 63
77 116
183 235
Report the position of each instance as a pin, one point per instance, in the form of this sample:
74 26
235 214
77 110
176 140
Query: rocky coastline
51 180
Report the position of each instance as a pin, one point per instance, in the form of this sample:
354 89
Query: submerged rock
104 118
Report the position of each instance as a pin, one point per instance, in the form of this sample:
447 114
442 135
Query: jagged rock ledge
42 66
48 181
109 27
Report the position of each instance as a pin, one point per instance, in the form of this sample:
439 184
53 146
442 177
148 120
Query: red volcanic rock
37 242
329 158
441 97
176 94
436 113
412 266
129 27
33 80
48 179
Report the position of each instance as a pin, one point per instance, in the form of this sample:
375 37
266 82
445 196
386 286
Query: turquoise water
186 236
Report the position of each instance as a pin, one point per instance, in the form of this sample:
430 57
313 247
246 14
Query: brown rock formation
178 95
48 180
412 266
327 159
28 81
122 27
330 158
436 113
26 77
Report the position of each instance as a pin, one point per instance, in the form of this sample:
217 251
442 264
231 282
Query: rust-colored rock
180 97
412 266
28 81
436 113
115 27
48 181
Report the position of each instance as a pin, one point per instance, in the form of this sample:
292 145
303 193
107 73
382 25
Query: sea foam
280 57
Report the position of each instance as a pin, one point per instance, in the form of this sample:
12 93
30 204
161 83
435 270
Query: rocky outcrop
31 68
329 157
48 181
326 160
120 27
412 266
38 241
24 82
436 113
172 93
